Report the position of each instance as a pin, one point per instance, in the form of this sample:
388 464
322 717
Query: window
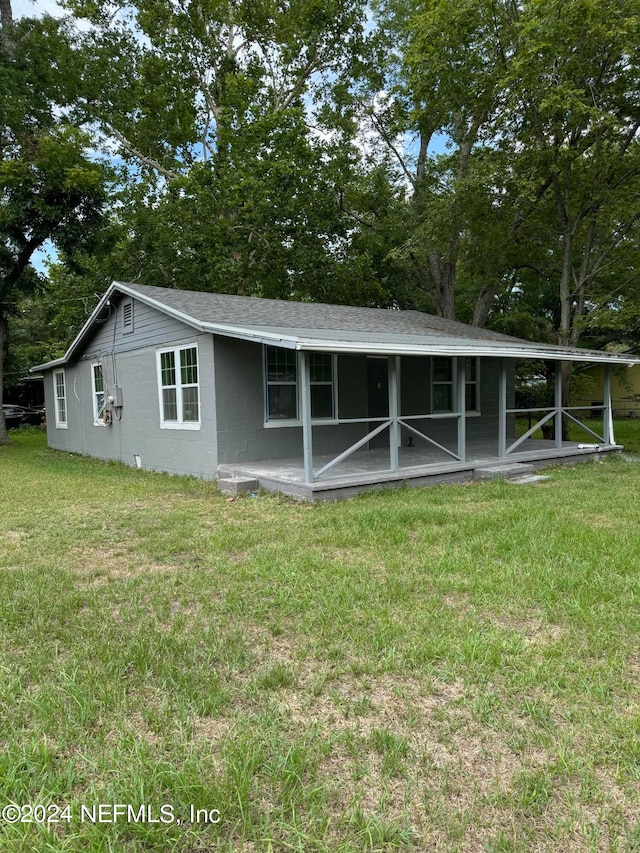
282 384
98 394
442 384
472 386
321 381
179 389
127 317
61 399
281 371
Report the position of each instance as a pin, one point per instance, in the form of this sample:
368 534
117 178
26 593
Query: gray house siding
243 436
129 361
69 439
241 430
415 385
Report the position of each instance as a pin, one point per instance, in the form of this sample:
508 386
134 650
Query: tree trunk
4 438
444 277
483 305
6 20
564 330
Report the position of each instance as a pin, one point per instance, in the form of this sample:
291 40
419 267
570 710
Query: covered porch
429 447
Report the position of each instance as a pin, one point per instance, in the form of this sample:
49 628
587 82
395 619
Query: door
378 397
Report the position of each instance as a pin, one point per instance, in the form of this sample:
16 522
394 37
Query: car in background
17 416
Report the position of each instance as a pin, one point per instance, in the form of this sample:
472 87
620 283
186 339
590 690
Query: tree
574 96
445 81
236 124
49 189
537 102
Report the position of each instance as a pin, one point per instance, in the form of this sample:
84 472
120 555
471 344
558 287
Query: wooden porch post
394 429
558 405
461 405
307 436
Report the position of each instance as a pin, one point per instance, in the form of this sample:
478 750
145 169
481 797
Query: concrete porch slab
368 469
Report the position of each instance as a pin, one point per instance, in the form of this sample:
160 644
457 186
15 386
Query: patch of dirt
15 537
237 556
459 601
134 724
99 565
383 702
601 520
211 730
535 631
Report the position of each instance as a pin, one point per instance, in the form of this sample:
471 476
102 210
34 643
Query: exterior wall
129 361
241 430
415 384
243 436
625 385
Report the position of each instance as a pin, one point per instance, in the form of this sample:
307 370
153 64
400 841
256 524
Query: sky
26 8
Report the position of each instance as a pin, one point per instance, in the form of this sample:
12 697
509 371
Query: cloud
36 8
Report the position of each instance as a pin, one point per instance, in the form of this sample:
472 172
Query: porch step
503 471
237 485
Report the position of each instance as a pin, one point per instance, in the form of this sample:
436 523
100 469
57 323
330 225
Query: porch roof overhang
424 341
366 344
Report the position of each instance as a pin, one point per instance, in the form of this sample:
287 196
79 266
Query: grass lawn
444 669
626 430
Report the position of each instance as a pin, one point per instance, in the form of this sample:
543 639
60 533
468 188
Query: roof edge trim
120 287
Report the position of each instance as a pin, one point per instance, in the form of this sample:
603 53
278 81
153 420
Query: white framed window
443 385
97 394
472 384
60 391
178 387
282 398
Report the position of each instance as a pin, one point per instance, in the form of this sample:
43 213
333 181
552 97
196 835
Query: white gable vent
127 317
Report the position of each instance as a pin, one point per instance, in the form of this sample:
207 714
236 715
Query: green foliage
50 190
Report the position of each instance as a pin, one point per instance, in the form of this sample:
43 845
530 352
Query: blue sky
26 8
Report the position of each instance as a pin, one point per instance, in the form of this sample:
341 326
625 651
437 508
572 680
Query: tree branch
148 161
393 148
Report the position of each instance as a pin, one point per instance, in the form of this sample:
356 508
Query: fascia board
472 349
49 365
159 306
254 335
371 348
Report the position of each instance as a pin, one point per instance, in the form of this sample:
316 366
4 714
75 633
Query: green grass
452 668
626 430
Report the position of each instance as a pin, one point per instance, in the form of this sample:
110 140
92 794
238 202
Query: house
625 390
313 400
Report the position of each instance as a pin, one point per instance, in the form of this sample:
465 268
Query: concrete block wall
415 379
242 434
132 365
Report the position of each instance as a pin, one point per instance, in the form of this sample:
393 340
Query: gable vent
127 317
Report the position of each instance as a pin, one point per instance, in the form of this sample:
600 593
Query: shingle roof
309 317
331 328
